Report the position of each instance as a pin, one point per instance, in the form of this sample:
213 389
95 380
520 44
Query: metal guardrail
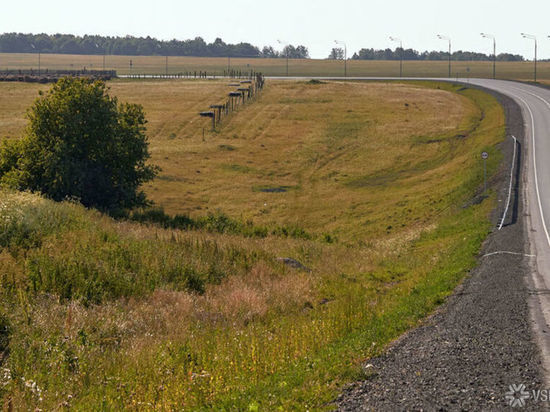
48 76
82 72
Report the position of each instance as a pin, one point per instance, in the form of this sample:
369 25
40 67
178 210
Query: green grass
92 262
296 361
195 311
215 223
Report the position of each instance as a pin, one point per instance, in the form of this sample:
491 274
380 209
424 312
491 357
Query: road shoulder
480 341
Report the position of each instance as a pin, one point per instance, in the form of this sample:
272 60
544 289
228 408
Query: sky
314 24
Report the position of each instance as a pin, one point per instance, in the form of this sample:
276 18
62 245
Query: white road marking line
505 252
534 95
510 188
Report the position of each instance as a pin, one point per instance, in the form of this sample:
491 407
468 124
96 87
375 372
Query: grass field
274 67
379 179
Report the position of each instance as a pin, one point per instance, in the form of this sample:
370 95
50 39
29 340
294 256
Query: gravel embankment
469 352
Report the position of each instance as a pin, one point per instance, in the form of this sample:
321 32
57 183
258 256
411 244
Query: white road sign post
484 156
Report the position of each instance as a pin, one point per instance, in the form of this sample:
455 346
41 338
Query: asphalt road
535 105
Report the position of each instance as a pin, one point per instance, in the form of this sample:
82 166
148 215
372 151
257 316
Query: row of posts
246 90
239 74
234 74
60 72
182 75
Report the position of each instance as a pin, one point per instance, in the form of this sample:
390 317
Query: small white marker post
484 156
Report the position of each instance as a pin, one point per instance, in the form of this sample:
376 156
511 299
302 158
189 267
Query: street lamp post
490 36
401 54
286 53
530 36
97 47
441 37
165 60
32 45
345 56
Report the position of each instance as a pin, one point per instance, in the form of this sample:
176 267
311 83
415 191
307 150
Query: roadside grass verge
78 255
265 336
121 315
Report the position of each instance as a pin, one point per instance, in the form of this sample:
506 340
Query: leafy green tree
269 52
302 52
81 143
336 53
299 52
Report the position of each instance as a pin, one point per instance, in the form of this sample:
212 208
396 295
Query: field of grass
378 179
273 67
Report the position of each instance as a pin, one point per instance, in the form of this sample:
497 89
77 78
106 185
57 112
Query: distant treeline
148 46
138 46
410 54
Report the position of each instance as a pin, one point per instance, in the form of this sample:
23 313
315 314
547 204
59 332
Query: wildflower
6 376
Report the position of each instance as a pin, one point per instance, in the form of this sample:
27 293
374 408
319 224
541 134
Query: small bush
81 143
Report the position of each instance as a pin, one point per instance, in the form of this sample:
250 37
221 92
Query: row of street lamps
484 35
491 37
335 41
284 43
394 39
96 45
440 37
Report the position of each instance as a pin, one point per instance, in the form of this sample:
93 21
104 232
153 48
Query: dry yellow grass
273 67
383 166
16 99
321 143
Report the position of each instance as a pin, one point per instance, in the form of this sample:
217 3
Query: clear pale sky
315 24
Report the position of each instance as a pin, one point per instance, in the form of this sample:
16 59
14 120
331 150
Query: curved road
535 105
535 187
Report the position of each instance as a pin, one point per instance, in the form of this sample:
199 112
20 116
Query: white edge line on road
510 188
505 252
535 161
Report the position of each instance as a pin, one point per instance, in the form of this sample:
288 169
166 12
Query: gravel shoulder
467 354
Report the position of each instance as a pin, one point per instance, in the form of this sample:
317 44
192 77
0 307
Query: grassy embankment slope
274 67
107 314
